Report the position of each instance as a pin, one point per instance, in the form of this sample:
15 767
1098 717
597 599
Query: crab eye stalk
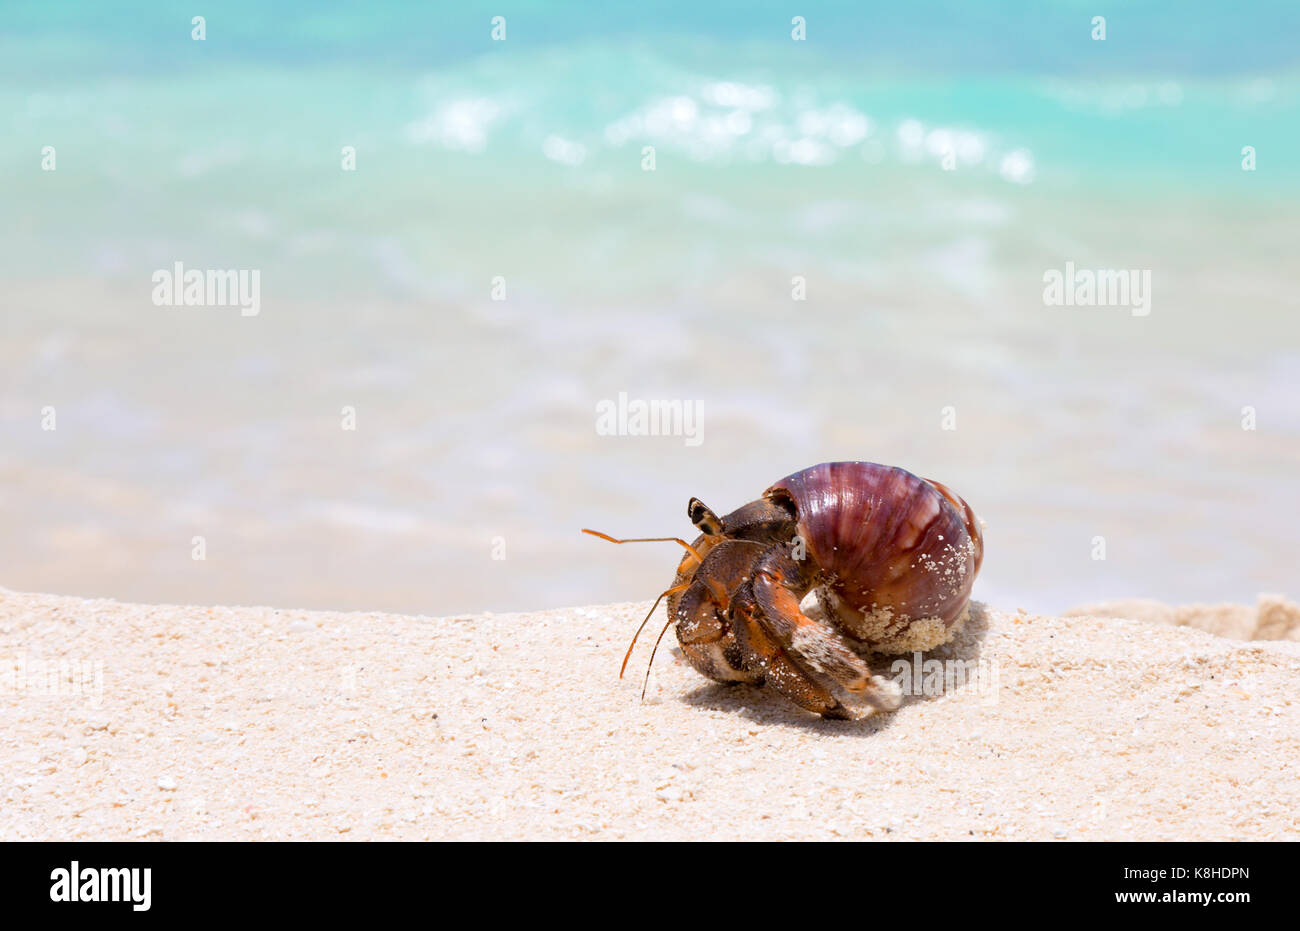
704 519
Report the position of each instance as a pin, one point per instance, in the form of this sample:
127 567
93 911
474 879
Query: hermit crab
832 563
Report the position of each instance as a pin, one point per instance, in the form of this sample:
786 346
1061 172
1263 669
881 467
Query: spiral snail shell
897 553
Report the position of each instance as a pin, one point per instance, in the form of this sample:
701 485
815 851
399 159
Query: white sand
242 723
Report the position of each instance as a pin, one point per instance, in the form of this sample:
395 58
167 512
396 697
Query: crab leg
778 586
785 675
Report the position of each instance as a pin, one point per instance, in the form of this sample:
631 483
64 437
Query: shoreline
216 723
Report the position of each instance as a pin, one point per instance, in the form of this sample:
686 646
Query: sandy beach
125 721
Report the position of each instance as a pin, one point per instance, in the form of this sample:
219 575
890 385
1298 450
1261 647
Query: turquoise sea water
918 168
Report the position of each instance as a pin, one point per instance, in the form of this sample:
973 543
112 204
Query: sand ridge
258 723
1273 617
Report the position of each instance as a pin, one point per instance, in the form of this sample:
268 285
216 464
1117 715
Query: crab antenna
628 655
646 683
690 549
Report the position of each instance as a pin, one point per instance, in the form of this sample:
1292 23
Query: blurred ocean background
522 160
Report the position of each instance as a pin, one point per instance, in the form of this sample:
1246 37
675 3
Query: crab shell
896 555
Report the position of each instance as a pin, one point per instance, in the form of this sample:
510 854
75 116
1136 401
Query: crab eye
703 518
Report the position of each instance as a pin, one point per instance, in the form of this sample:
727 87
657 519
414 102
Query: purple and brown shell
897 554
